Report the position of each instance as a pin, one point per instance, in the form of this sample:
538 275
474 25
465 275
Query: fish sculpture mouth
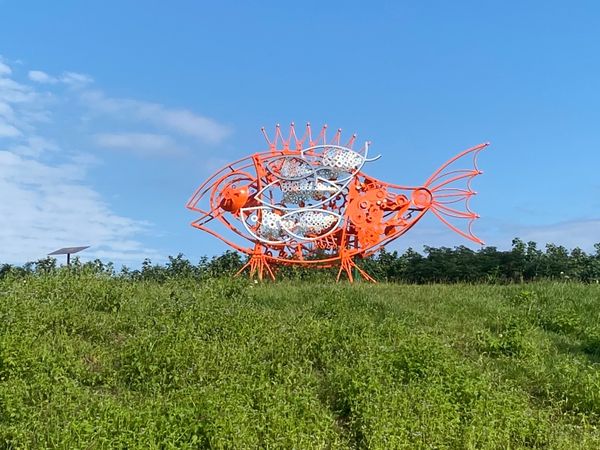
315 205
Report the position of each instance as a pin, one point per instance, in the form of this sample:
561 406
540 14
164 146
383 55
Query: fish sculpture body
308 202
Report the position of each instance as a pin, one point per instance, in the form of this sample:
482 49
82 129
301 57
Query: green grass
107 363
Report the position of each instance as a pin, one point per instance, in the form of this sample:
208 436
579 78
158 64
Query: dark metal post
68 259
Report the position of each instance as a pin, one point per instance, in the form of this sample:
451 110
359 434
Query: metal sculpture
313 206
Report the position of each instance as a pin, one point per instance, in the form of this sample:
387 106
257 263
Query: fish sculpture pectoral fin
448 191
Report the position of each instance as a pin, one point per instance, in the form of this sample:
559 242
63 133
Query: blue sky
112 112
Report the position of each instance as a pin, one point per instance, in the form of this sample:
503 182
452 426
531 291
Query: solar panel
68 250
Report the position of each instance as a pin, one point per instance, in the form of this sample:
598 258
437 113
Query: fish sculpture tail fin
449 192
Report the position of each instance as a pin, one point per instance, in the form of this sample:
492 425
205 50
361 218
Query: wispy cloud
574 233
45 199
69 78
41 77
74 78
181 121
5 69
46 206
164 128
15 93
8 130
496 232
140 143
34 146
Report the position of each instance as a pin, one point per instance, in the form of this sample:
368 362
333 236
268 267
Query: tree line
522 263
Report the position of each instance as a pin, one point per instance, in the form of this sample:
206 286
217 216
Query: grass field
108 363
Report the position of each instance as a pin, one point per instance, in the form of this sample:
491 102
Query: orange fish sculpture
307 202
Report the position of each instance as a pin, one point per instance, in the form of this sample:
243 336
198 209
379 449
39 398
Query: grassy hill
227 363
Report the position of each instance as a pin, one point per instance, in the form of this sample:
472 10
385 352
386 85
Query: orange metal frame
370 213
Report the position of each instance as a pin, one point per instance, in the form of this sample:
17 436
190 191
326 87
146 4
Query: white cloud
74 78
141 143
69 78
46 197
41 77
6 111
12 92
7 130
177 120
180 121
4 69
48 206
21 107
34 146
500 233
576 233
45 200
